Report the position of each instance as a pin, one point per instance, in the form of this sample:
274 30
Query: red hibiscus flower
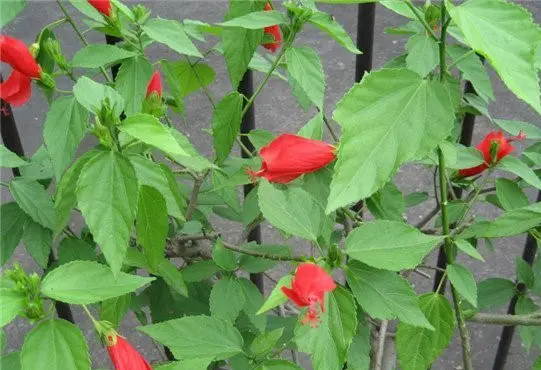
273 31
155 85
102 6
503 146
123 355
16 90
290 156
308 289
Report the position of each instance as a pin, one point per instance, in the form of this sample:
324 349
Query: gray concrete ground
277 111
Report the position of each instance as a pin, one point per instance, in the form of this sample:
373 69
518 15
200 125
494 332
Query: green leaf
317 185
469 249
72 249
55 344
384 294
414 199
12 304
149 130
8 159
473 70
389 245
84 7
226 120
290 209
265 342
387 203
65 127
510 194
463 281
194 364
189 78
418 347
152 224
423 54
525 273
313 128
254 300
391 117
276 296
171 33
521 169
65 198
495 292
40 166
329 25
200 271
227 299
329 342
510 223
514 127
466 157
113 310
505 34
85 282
10 9
528 334
172 277
359 351
256 20
131 83
193 160
12 221
34 200
278 365
107 197
225 258
304 66
100 55
91 95
38 241
197 336
11 361
253 264
151 174
240 44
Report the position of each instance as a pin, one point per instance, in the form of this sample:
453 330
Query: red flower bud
102 6
123 355
155 85
308 289
290 156
273 31
16 90
503 146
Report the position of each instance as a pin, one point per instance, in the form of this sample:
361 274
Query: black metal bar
12 141
246 88
528 255
466 135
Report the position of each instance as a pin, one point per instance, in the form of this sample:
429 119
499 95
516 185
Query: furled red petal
292 294
125 357
17 89
102 6
504 149
276 33
155 84
311 280
468 172
15 53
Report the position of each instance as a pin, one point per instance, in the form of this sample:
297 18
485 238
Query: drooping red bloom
17 89
290 156
123 355
155 85
102 6
504 148
273 31
308 289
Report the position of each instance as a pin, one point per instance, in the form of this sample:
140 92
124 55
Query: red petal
125 357
17 89
292 294
15 53
102 6
155 84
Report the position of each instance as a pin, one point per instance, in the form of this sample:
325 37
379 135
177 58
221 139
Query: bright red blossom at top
273 31
504 149
16 90
155 85
308 289
102 6
123 355
290 156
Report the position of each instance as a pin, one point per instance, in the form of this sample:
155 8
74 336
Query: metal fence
365 42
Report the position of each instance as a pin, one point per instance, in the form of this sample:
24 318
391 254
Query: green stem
442 281
96 325
81 36
463 330
443 44
421 19
473 198
56 23
263 255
